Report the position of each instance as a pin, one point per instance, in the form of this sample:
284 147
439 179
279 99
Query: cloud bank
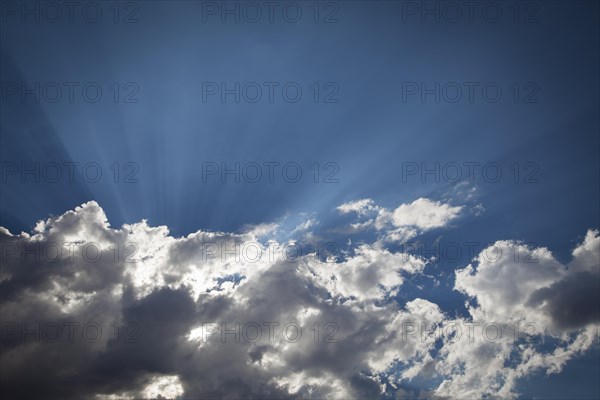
92 311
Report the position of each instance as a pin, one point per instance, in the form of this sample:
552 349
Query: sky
365 166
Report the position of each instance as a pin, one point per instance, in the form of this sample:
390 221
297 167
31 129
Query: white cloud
424 214
168 387
526 290
361 207
403 223
514 282
368 275
167 288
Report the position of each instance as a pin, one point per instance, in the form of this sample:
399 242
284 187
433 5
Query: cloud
361 207
513 282
228 315
424 214
522 294
403 223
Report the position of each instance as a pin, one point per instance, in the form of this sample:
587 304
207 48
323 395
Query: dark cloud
573 302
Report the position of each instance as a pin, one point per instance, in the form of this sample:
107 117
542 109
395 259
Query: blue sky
365 59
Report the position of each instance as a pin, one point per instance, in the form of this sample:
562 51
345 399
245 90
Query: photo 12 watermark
470 92
23 332
69 12
269 172
526 172
270 92
268 331
69 92
68 172
89 252
270 12
458 330
454 252
470 12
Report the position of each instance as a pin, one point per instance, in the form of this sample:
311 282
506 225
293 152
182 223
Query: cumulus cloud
424 214
513 282
361 207
404 222
522 294
231 315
